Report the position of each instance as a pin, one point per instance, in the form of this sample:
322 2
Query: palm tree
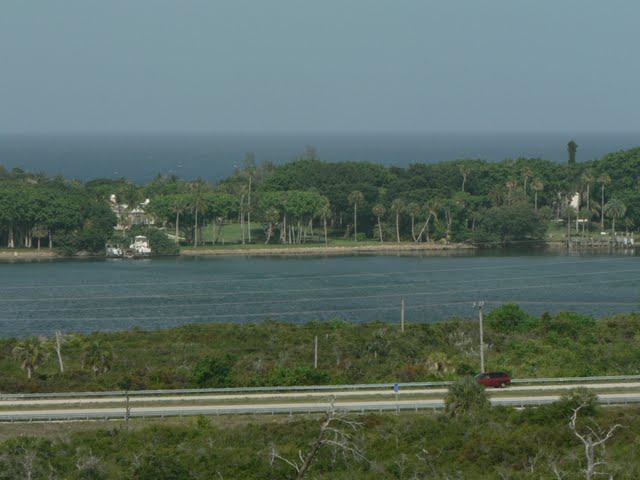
413 209
431 209
98 356
603 180
178 206
356 197
31 353
614 209
587 179
536 186
197 204
397 207
325 212
511 186
379 210
466 397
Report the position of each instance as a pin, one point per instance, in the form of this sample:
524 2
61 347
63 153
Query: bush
298 376
509 318
563 409
466 397
212 372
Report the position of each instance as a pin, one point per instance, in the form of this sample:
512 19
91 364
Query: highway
372 399
304 395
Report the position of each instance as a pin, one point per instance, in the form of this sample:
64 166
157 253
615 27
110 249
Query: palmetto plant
466 397
31 353
98 356
355 198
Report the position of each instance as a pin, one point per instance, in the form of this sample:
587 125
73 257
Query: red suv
494 379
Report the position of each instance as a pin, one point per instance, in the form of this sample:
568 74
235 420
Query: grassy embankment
501 443
218 355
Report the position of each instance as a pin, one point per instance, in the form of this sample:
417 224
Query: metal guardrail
300 388
299 409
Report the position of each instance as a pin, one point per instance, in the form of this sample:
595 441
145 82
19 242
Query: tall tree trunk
535 199
11 243
326 238
177 228
195 231
413 227
398 227
355 222
380 229
269 232
59 350
602 210
50 240
249 210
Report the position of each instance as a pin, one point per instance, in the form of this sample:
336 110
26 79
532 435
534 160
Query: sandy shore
336 250
26 254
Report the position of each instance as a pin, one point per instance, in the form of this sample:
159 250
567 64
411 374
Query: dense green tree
615 210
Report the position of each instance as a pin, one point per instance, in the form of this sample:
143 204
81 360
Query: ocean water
39 297
213 156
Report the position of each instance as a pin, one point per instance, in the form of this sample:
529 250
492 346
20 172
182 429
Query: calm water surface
87 295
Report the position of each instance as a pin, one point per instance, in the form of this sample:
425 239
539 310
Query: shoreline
292 250
327 250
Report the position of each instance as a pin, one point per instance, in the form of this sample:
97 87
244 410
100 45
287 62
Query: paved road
303 395
291 407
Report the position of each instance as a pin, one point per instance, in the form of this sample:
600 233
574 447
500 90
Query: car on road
494 379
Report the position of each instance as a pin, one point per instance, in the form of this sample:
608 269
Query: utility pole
249 210
479 306
402 314
315 352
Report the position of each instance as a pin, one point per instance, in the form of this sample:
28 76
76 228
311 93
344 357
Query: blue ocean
214 156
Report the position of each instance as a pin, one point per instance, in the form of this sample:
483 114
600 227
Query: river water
39 297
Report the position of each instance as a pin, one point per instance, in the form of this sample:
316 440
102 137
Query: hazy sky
324 65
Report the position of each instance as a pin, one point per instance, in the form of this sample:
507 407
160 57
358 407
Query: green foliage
510 318
270 353
212 372
462 200
298 376
466 397
561 411
511 223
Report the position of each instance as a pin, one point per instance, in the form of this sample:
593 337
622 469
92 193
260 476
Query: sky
319 66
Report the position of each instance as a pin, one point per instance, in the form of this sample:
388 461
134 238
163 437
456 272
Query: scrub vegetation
271 353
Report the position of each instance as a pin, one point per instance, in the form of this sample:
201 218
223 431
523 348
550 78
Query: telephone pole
315 352
479 306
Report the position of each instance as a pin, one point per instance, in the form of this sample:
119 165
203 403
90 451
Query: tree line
309 200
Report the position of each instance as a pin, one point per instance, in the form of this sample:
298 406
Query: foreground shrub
466 397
